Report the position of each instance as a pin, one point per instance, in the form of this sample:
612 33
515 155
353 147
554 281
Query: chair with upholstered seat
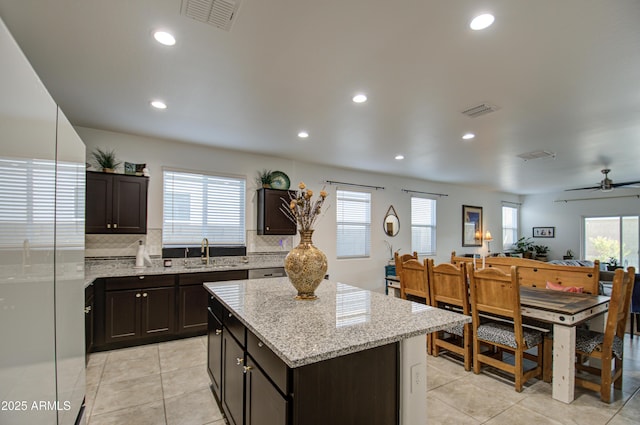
448 288
496 296
608 346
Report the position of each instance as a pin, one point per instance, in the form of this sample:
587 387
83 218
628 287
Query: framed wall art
544 232
471 225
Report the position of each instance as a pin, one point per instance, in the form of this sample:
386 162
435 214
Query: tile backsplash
127 245
123 245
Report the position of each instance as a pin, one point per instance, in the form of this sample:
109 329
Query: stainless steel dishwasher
269 272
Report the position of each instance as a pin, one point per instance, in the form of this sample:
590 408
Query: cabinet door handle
87 309
239 360
144 294
260 344
108 225
140 277
218 331
138 295
115 226
267 227
246 369
230 315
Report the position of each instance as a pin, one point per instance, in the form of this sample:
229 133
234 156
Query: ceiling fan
606 184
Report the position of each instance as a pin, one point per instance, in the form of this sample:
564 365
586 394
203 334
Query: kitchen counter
302 356
344 319
101 269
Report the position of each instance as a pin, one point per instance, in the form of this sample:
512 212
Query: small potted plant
613 264
106 160
264 179
541 252
568 255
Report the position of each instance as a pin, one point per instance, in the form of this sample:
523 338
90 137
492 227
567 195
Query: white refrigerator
42 190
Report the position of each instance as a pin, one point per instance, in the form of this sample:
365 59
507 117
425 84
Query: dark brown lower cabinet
89 322
258 388
192 301
264 405
139 313
232 379
214 354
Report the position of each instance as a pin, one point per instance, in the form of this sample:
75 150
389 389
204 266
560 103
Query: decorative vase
306 266
107 170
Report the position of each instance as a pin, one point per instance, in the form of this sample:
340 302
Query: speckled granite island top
343 320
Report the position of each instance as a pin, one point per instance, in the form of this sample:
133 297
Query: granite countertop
119 269
344 319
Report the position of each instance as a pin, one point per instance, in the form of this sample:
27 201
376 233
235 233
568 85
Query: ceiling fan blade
626 184
584 188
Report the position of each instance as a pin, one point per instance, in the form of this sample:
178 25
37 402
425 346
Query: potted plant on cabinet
106 160
541 252
612 264
264 179
568 255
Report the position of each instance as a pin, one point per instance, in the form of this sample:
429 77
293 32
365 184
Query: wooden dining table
565 311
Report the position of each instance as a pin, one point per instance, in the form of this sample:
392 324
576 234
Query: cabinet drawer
268 361
201 277
235 326
216 308
139 282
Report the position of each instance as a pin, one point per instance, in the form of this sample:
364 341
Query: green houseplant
263 179
541 252
524 246
613 264
106 160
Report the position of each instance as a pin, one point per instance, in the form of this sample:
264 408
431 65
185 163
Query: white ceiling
565 75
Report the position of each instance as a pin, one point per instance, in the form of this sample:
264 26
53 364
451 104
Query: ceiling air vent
482 109
219 13
536 155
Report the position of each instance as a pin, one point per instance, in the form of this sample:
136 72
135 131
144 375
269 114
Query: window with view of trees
607 238
509 227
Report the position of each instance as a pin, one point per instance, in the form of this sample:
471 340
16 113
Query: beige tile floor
167 383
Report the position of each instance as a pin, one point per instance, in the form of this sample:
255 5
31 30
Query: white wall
543 210
366 272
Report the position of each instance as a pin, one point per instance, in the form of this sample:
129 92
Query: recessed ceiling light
158 104
468 136
482 21
360 98
303 135
164 37
399 157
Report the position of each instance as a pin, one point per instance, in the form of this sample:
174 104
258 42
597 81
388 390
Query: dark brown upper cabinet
271 219
116 203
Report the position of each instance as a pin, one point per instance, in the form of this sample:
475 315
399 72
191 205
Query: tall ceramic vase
306 266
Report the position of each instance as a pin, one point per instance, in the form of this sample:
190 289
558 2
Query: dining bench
534 273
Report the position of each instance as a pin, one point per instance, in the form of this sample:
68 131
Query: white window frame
231 230
341 222
431 225
507 246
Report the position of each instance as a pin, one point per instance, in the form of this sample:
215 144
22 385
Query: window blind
353 218
509 227
198 206
423 225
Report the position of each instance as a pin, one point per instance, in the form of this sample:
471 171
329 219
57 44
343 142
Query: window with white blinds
198 206
353 218
509 227
423 225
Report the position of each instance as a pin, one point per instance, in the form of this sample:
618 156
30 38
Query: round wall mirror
391 224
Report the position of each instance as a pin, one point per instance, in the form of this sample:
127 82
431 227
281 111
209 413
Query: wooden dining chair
495 296
607 346
448 288
399 259
414 286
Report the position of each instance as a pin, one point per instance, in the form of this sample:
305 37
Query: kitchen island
351 356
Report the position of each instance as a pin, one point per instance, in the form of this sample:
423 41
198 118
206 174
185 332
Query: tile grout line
164 404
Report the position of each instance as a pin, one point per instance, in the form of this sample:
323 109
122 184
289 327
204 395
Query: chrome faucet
204 255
